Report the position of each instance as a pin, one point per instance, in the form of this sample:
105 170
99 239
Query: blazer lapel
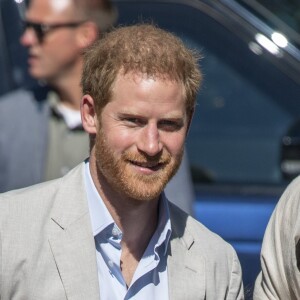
72 242
186 269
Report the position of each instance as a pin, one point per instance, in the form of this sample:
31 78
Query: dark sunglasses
42 29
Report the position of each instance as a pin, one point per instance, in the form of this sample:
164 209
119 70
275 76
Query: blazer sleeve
279 277
236 290
0 263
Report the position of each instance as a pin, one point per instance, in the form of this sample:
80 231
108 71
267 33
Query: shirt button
115 232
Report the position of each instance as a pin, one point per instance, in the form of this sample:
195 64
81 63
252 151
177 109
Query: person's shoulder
222 269
287 208
42 192
18 106
38 202
23 96
289 201
292 192
204 238
15 95
27 196
30 205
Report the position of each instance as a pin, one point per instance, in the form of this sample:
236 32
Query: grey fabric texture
280 255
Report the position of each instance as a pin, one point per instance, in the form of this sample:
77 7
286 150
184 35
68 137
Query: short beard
139 187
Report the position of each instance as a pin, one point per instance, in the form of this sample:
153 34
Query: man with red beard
106 229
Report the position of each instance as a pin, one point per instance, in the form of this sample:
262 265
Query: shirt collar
163 230
70 116
101 218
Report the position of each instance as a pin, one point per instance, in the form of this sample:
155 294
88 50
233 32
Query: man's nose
28 38
149 141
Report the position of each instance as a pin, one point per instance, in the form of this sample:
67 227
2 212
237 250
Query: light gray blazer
279 278
48 252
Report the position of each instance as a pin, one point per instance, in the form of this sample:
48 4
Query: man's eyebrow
175 117
129 114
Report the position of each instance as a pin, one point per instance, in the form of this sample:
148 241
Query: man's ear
88 115
87 34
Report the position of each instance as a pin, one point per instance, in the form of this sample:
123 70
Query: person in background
106 229
280 255
41 132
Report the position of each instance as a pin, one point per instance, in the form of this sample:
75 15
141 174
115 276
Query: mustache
142 158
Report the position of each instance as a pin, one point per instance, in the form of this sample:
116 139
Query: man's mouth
32 58
148 165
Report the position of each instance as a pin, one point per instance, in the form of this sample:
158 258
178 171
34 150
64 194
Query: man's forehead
53 7
60 5
138 76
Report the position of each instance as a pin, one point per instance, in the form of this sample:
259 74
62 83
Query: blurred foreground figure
106 230
280 255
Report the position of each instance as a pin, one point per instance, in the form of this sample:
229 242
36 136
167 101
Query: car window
282 15
286 10
237 127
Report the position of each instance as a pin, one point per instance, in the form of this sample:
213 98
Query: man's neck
138 224
68 89
136 219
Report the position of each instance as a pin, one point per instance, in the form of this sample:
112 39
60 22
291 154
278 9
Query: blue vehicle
244 143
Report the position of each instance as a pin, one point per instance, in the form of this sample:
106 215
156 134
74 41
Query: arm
279 277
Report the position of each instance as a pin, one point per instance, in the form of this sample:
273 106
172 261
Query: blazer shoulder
185 225
195 242
291 194
29 196
43 198
24 98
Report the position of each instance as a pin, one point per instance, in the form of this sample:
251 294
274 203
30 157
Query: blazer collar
186 268
71 241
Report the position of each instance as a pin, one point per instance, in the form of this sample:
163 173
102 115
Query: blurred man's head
57 32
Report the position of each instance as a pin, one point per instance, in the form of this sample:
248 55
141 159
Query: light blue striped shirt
150 280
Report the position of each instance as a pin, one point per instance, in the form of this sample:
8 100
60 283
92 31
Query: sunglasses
42 29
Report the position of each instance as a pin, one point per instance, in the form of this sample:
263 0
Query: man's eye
134 121
169 125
